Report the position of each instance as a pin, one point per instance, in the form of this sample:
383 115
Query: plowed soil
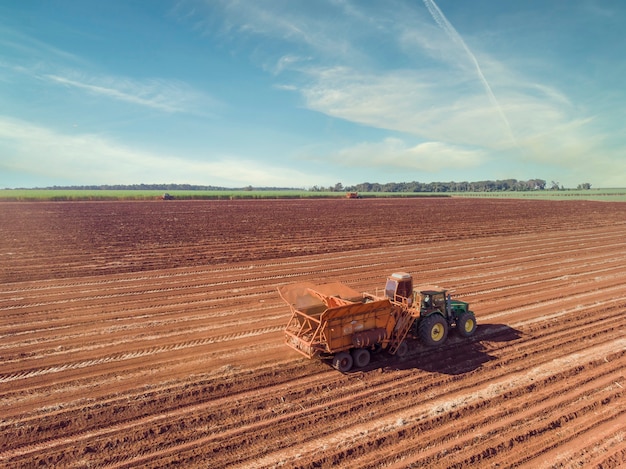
149 334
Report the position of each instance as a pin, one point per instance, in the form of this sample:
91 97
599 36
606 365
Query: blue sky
298 93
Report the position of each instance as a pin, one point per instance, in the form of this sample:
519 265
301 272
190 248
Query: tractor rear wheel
466 324
433 330
343 361
361 357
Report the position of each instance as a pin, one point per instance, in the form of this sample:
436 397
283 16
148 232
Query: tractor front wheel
433 330
343 361
466 324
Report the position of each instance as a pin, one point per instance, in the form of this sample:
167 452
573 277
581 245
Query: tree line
502 185
415 186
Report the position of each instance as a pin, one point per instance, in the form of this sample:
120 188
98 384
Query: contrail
444 24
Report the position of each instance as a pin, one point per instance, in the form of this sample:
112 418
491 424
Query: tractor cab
399 288
432 300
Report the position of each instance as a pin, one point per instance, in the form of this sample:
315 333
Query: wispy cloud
33 59
414 102
312 29
23 45
452 33
436 94
168 96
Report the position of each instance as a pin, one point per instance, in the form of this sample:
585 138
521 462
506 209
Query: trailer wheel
433 330
402 350
361 357
466 324
343 361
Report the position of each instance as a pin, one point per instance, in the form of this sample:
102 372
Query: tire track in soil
25 374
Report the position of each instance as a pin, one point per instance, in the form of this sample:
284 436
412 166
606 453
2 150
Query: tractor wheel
402 350
433 330
361 357
343 361
466 324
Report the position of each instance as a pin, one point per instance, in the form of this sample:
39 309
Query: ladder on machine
403 325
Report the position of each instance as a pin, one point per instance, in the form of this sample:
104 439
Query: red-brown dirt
149 334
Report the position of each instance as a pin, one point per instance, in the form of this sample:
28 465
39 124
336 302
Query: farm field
149 334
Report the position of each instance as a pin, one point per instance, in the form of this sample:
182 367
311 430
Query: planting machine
334 321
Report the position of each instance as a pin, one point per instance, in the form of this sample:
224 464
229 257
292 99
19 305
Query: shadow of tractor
457 356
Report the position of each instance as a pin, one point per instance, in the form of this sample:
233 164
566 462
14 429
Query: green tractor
435 311
438 313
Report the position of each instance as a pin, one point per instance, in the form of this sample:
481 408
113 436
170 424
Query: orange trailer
335 321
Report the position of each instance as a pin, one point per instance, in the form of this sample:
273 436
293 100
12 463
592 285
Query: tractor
438 312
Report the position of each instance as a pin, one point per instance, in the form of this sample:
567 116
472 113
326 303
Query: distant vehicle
334 321
352 195
166 196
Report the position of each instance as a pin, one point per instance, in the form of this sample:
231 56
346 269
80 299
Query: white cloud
286 62
394 153
29 149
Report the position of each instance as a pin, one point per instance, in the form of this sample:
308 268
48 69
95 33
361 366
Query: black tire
343 361
466 324
402 350
433 330
361 357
